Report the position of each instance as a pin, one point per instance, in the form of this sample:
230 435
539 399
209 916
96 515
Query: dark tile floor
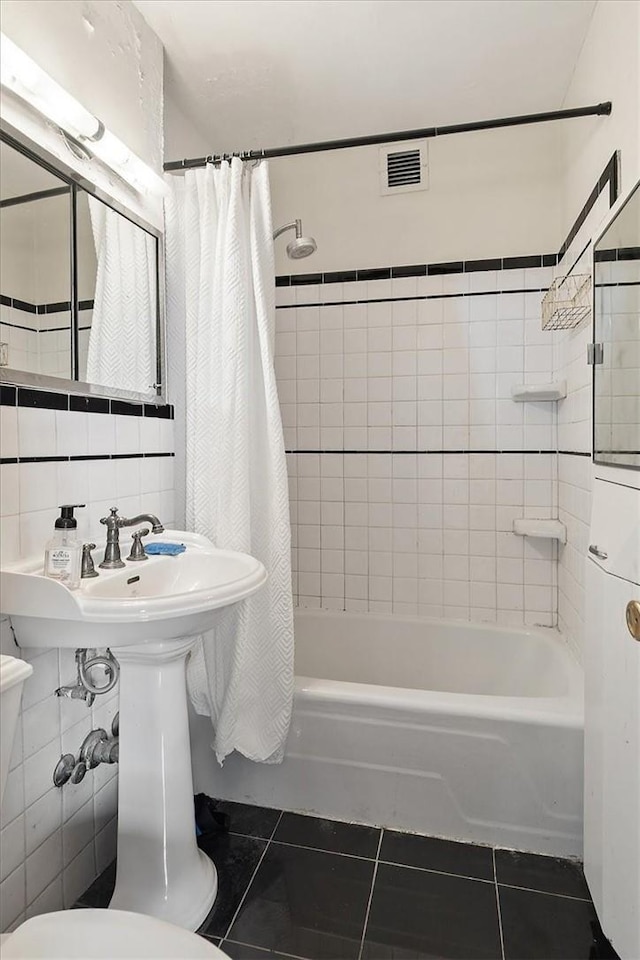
302 887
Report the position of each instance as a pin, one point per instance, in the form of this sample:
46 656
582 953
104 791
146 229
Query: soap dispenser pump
63 553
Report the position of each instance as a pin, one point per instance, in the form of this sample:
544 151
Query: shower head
299 247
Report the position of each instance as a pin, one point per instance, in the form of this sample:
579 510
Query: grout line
336 853
424 296
250 836
547 893
373 883
244 895
266 950
442 873
495 881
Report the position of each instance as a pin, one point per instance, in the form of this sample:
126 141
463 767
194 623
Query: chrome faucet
113 523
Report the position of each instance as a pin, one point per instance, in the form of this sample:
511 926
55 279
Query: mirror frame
605 463
40 155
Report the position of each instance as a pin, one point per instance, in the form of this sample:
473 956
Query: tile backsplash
55 841
408 459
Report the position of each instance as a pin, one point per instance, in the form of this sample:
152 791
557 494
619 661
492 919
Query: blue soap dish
170 549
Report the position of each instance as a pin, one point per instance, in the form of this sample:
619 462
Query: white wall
495 193
181 138
417 366
35 268
502 193
491 194
608 68
54 842
106 56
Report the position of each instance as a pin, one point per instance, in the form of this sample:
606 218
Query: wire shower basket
567 302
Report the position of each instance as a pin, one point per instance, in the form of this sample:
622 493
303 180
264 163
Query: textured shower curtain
221 316
122 339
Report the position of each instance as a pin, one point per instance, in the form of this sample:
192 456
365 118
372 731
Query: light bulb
22 75
130 167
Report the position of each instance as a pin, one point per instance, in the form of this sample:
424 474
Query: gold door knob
633 618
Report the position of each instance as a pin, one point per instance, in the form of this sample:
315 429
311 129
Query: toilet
88 934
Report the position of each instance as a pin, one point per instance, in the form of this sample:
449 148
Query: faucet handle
137 547
113 515
88 568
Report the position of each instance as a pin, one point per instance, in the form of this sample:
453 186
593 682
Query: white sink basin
148 612
161 598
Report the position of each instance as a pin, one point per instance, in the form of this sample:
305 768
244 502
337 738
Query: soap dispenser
63 553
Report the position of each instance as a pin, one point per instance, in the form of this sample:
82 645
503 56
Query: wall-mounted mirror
118 299
616 384
35 267
79 284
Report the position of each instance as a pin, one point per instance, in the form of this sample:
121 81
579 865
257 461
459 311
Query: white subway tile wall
574 494
36 343
54 842
408 531
574 434
617 398
574 476
19 331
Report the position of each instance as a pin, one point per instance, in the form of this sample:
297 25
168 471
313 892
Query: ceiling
266 73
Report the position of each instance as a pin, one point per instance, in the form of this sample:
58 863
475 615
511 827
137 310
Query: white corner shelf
522 392
546 529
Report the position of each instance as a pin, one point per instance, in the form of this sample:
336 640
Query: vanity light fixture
24 78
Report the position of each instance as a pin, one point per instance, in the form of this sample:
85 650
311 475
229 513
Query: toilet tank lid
101 934
13 671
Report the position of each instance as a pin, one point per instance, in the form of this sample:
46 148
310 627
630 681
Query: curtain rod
37 195
599 109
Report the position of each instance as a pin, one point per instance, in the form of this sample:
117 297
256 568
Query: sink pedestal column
160 870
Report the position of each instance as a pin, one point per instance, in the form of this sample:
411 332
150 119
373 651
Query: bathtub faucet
113 523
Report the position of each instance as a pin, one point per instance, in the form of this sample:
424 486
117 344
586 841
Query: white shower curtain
122 340
221 315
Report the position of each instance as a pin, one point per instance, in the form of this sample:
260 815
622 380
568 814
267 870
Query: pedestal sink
147 613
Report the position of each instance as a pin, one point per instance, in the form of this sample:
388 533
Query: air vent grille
403 168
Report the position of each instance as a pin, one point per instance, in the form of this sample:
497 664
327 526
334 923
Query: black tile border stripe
421 453
23 305
619 453
45 399
39 308
609 177
617 254
8 395
126 409
620 283
90 456
419 270
11 396
19 326
424 296
60 307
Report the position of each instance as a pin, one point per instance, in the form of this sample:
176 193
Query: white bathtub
457 730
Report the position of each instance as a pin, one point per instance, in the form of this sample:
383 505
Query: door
612 758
